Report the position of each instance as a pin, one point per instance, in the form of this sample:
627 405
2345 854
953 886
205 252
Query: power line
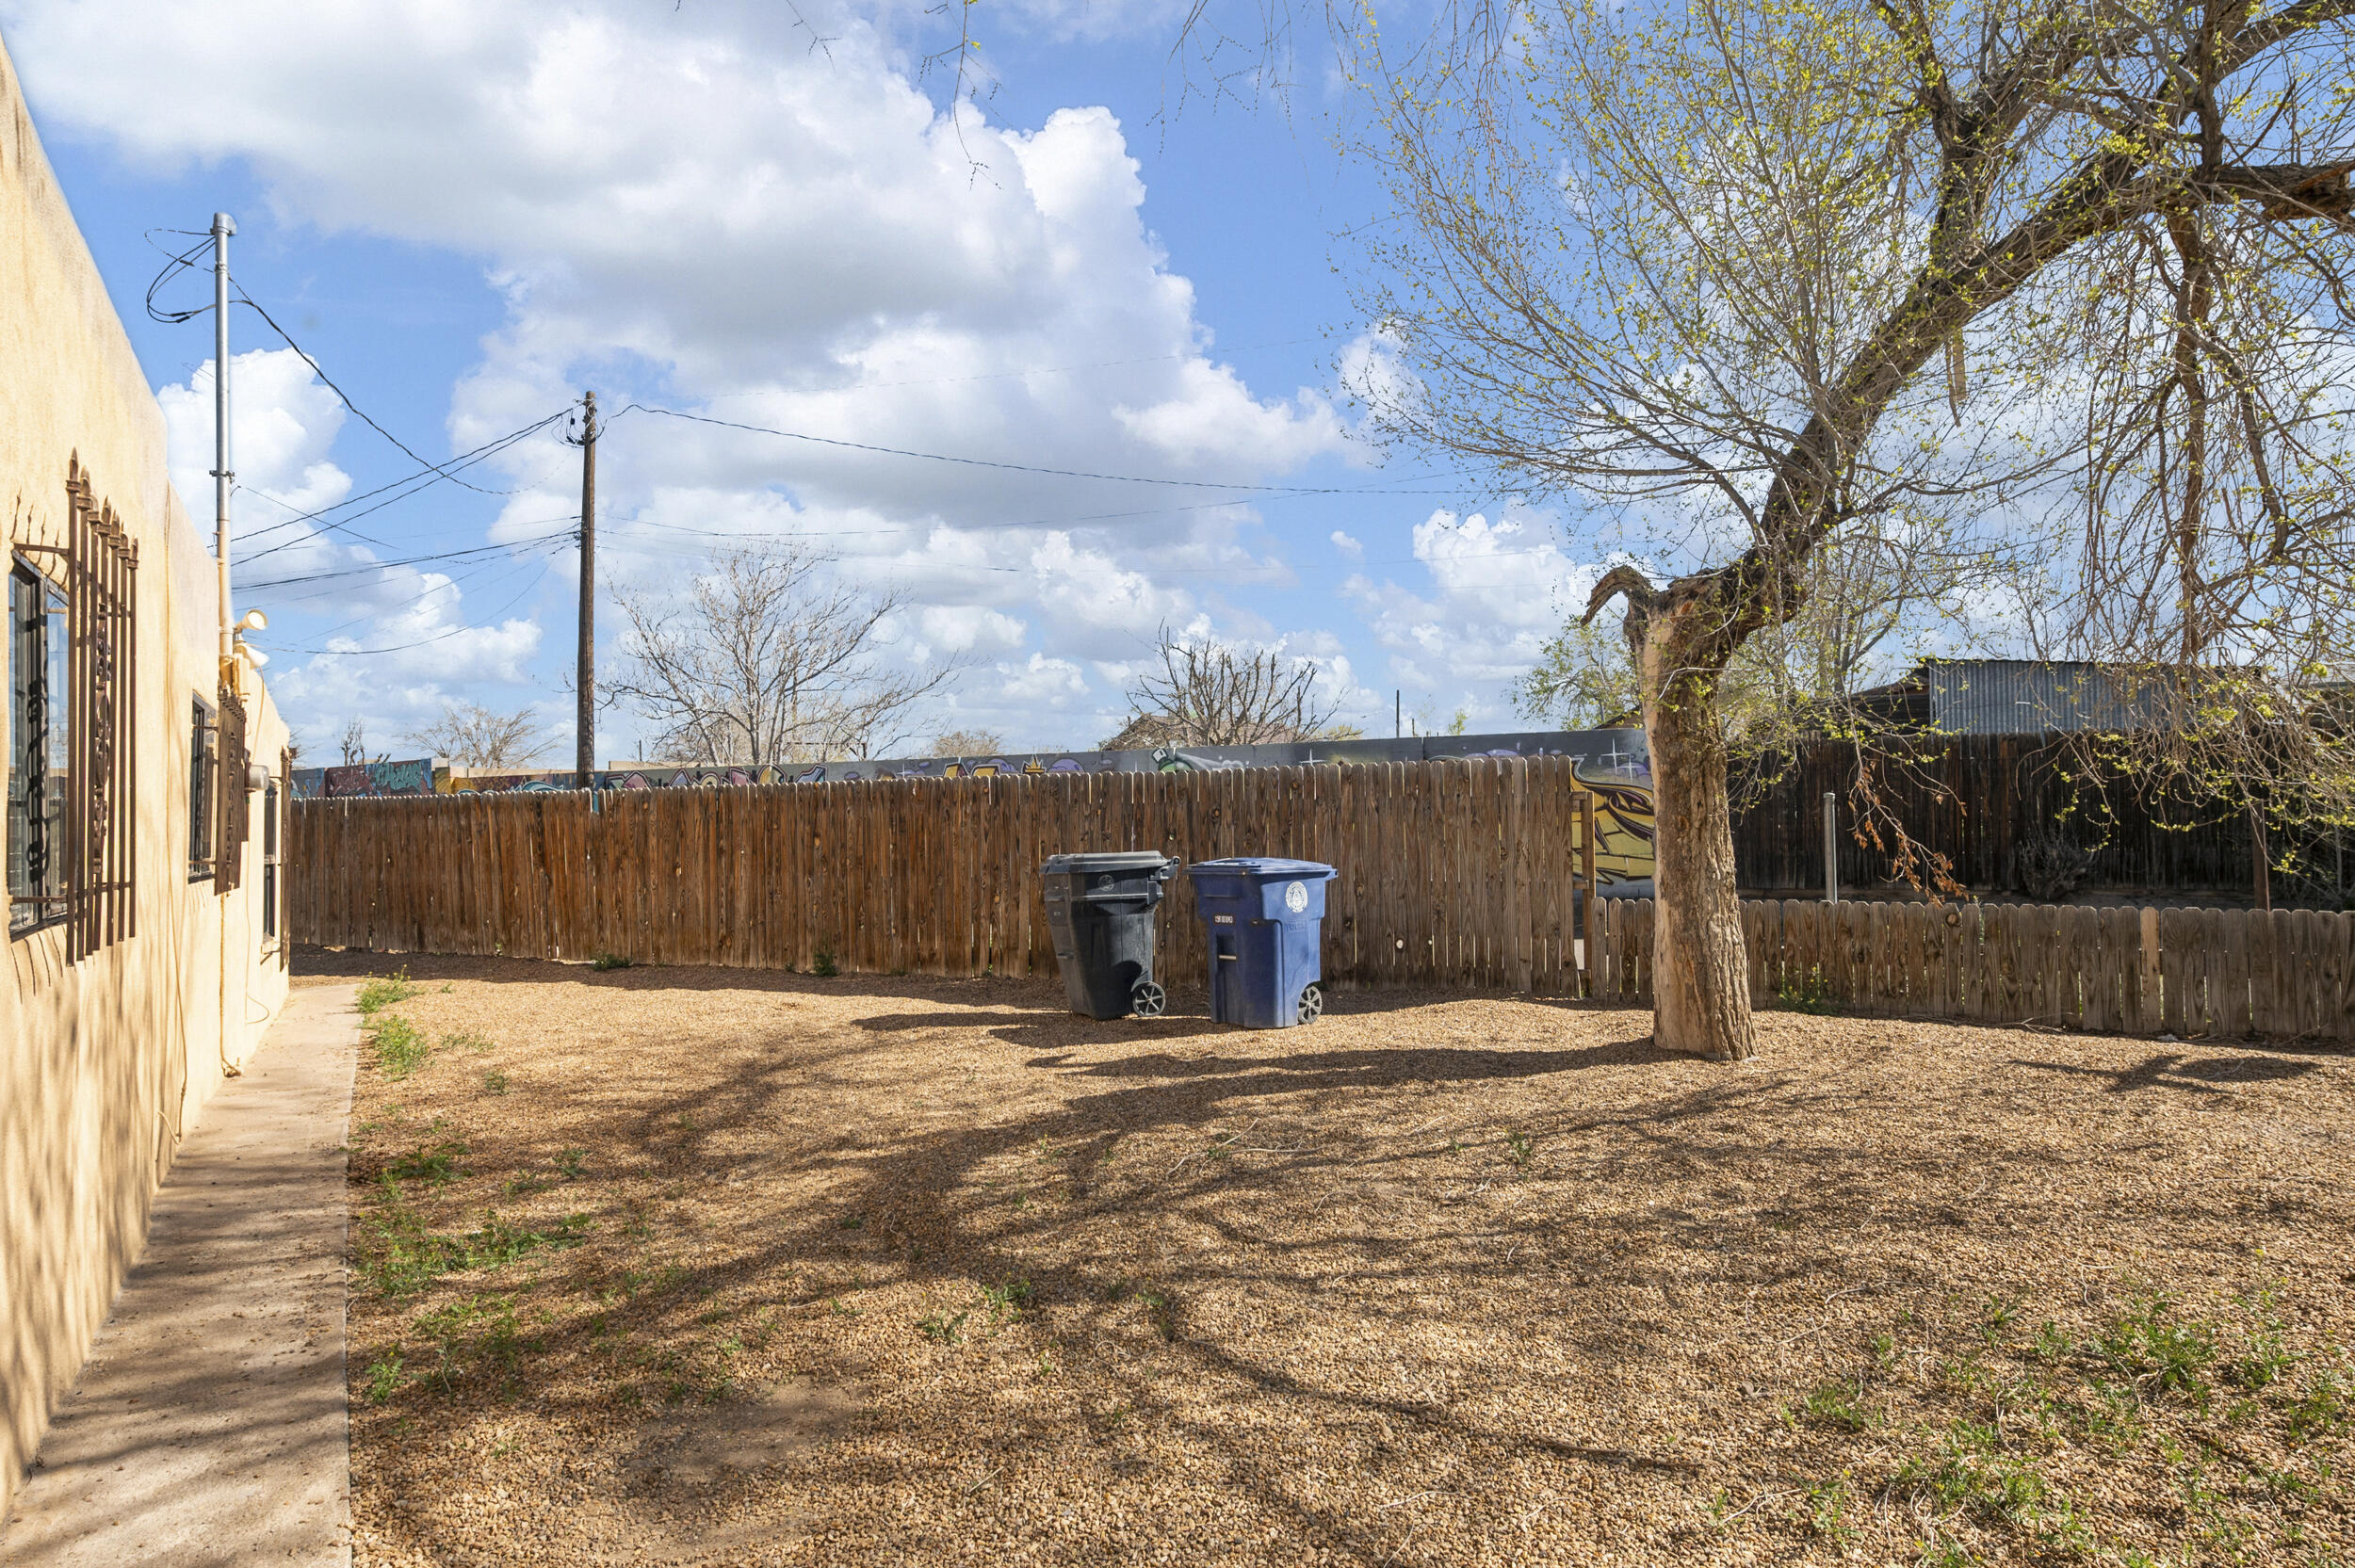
1018 467
455 580
179 262
454 631
245 298
1040 370
415 483
366 567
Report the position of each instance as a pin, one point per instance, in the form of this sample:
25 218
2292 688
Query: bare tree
1767 278
967 743
770 659
355 746
471 735
1206 692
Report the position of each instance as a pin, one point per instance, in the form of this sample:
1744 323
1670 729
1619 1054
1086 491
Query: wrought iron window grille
229 866
96 568
203 786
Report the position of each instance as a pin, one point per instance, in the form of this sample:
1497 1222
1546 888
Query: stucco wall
106 1064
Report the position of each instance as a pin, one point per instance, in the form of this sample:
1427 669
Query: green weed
569 1163
383 1376
1995 1317
435 1165
494 1083
1006 1301
1828 1511
479 1329
941 1329
2323 1408
382 990
1806 993
1841 1406
2263 1359
400 1047
1969 1472
1162 1311
2116 1421
479 1044
1517 1150
609 960
401 1257
2160 1351
822 965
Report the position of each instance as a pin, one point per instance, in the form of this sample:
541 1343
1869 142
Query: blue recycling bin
1264 920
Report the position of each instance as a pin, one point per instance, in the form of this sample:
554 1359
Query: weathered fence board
1452 873
2191 973
1457 873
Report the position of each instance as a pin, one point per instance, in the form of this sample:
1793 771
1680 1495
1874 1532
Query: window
73 673
203 770
269 858
39 757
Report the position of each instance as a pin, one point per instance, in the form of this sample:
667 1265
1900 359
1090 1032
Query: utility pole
223 226
1397 714
585 758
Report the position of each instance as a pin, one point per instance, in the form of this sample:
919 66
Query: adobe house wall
106 1063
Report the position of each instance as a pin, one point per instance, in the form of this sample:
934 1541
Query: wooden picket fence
1453 873
2192 973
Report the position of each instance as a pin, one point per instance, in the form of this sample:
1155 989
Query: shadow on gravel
2175 1069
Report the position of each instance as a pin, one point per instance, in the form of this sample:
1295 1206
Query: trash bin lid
1260 865
1121 860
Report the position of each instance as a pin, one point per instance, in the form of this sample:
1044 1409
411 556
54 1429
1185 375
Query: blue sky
468 213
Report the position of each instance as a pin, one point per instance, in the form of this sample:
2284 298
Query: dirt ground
698 1265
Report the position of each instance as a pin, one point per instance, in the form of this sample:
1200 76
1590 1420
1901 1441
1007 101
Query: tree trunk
1701 968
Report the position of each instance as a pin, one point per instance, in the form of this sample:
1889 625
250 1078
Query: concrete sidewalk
209 1425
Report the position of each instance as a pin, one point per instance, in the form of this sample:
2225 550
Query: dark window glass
204 768
37 750
269 860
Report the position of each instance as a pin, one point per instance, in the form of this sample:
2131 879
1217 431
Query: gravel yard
696 1265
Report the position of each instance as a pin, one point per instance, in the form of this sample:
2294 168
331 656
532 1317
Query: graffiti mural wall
416 777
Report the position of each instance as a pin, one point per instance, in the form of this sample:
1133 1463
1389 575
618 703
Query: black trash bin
1100 909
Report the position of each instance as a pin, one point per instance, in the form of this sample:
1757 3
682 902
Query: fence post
1831 848
1591 877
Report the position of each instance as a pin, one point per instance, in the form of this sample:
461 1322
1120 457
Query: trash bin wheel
1311 1004
1148 1000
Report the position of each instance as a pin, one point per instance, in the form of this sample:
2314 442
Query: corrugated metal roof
2029 697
